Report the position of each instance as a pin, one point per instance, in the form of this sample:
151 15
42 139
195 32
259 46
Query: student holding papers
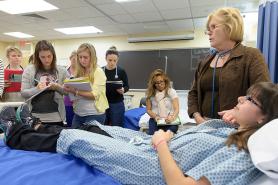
12 75
116 86
42 85
70 73
162 103
88 104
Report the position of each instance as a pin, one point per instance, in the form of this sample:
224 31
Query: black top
112 95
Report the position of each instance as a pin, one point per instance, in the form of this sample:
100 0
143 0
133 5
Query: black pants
44 139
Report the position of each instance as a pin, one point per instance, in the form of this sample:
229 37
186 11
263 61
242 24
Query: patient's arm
172 173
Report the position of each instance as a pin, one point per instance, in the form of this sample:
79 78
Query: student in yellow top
89 105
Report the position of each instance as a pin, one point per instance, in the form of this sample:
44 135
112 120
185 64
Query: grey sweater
29 89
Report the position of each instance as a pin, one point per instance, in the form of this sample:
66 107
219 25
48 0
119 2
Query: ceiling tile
112 9
123 19
68 3
139 6
83 12
147 17
99 2
176 13
170 4
207 2
141 17
96 21
56 15
203 11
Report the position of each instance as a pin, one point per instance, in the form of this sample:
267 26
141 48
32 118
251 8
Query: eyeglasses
212 28
249 98
159 82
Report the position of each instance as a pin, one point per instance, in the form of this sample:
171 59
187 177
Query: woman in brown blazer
228 71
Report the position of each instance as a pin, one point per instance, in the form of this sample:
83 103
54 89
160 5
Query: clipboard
115 84
177 121
14 76
82 84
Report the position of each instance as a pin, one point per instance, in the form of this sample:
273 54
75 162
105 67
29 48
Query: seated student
211 153
162 102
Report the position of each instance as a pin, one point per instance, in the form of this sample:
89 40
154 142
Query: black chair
142 102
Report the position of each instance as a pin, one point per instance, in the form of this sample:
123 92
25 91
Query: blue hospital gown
199 151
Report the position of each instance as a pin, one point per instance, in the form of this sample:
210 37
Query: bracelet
76 93
158 143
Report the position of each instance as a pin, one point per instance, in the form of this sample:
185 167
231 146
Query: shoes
24 116
7 119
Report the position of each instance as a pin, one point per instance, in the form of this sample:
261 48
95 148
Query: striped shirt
1 78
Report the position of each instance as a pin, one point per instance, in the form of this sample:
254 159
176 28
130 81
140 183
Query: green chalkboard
179 64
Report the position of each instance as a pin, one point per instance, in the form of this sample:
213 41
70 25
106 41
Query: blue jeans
79 120
153 127
115 114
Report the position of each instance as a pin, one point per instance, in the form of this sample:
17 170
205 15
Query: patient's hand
162 135
228 116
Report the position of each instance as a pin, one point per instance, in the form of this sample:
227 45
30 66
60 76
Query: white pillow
263 147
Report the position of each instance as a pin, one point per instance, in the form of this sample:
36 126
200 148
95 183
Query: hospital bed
20 167
42 168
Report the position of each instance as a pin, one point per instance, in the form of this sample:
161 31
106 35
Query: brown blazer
244 67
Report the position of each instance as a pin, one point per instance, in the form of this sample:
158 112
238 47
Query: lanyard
219 55
213 87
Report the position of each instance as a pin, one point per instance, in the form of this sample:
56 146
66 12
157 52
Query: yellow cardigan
99 90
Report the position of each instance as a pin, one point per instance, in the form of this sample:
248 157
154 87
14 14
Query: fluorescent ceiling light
78 30
26 6
19 35
124 1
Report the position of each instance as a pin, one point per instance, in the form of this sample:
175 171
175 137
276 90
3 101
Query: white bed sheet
265 180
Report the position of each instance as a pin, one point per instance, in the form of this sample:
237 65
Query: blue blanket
132 117
19 167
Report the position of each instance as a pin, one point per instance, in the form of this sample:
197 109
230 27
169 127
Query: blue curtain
267 36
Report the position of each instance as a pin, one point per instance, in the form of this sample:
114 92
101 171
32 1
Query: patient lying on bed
200 155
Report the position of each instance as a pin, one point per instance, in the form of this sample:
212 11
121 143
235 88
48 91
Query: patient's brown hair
267 94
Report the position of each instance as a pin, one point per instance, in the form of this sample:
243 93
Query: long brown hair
151 83
267 94
44 45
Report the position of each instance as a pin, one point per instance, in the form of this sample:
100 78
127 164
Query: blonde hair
73 53
80 70
151 83
12 49
233 21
